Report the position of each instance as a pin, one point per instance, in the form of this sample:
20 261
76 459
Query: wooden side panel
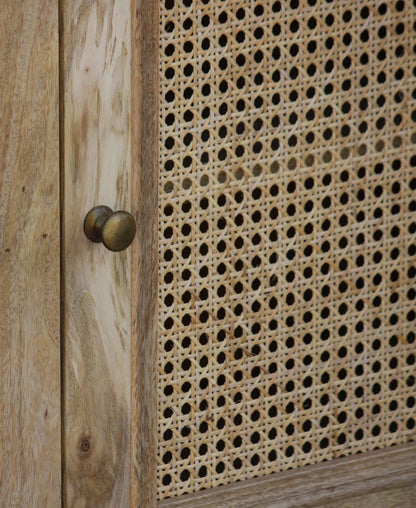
96 58
30 454
145 128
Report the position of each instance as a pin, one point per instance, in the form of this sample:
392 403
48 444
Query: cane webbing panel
287 235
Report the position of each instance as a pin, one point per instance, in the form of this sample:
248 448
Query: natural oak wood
96 57
144 296
30 455
383 476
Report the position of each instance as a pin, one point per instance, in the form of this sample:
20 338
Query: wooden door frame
349 479
337 480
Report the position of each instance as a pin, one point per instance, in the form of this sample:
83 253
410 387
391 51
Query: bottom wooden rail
384 477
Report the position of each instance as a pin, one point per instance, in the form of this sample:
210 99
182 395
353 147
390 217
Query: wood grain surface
383 476
144 296
400 497
96 57
30 455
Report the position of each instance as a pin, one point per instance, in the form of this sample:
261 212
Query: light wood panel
383 476
29 255
96 58
145 143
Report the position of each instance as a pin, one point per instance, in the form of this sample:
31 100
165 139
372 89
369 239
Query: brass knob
115 229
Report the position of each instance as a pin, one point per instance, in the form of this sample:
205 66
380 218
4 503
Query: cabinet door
30 393
267 152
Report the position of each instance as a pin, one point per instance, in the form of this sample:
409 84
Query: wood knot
84 445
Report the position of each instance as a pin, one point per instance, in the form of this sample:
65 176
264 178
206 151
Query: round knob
115 229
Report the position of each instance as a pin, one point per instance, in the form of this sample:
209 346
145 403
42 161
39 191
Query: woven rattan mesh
287 235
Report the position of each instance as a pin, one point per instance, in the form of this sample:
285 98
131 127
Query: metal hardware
115 230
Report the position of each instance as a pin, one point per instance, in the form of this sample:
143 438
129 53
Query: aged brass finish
115 230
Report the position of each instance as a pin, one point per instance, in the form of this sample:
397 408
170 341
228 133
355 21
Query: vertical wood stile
30 454
96 59
145 127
